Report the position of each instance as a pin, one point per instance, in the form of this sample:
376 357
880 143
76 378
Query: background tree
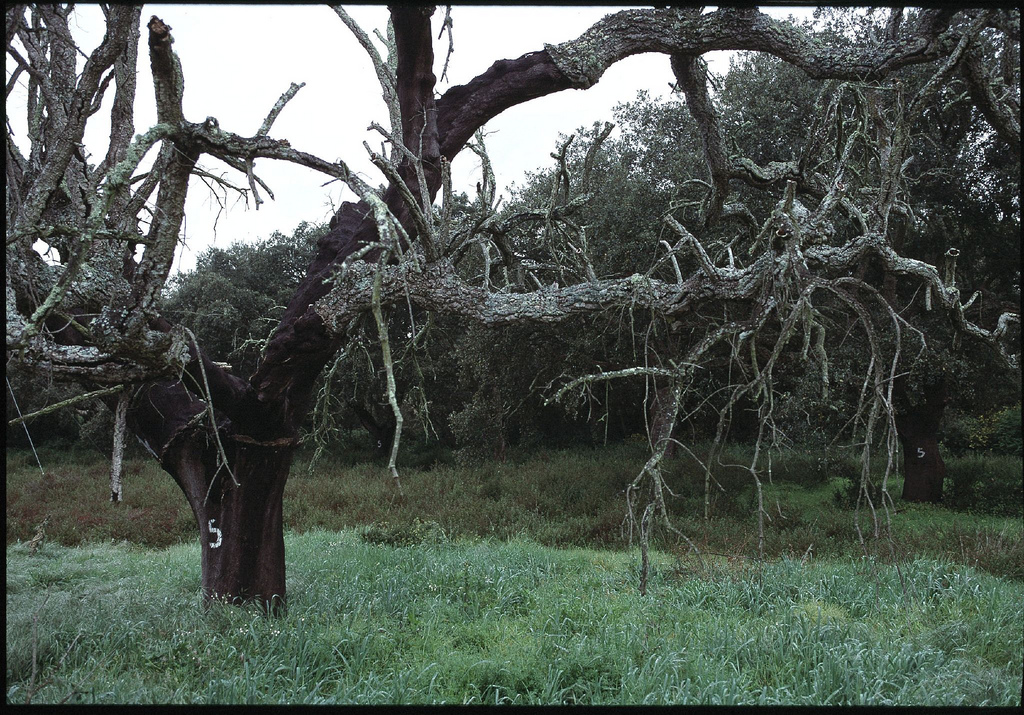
243 288
824 243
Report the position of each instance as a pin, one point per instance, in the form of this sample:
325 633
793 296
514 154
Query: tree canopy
858 176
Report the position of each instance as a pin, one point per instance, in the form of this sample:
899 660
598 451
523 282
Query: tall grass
556 498
483 621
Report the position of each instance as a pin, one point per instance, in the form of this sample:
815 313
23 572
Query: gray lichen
581 60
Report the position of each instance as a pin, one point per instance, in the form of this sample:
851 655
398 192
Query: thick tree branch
692 75
59 154
168 82
581 62
997 113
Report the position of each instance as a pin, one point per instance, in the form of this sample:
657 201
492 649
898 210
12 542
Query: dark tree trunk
257 420
500 443
918 428
382 431
240 525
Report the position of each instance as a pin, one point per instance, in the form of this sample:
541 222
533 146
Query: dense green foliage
490 622
235 296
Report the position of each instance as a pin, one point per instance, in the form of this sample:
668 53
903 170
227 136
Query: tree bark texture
918 431
238 512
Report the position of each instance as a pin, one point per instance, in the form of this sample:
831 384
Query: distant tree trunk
116 460
500 442
382 431
917 427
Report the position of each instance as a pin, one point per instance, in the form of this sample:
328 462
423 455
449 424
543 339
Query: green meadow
513 583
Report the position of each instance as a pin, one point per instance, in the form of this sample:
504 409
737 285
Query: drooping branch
692 76
65 403
1000 116
438 288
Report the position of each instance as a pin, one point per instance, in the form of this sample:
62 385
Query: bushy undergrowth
73 495
475 621
556 498
998 432
988 484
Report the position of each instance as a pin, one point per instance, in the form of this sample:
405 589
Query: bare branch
385 71
278 107
65 403
691 73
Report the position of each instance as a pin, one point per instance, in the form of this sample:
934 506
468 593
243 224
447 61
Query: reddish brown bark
258 419
239 513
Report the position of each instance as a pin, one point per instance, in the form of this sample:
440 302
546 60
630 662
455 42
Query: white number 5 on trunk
215 532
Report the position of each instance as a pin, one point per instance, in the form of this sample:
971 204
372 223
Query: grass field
509 622
555 498
513 583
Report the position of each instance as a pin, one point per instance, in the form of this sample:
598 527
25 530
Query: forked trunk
239 513
918 430
241 526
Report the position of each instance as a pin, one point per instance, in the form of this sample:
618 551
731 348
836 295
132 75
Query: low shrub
1005 437
998 432
418 532
850 491
956 432
989 484
75 498
807 468
552 497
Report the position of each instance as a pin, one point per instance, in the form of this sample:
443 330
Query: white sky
238 59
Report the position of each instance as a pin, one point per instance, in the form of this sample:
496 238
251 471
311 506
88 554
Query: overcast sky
238 59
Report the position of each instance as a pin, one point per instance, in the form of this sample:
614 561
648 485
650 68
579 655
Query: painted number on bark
920 453
215 533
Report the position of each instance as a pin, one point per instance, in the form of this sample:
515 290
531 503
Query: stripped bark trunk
381 431
241 527
917 427
238 512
